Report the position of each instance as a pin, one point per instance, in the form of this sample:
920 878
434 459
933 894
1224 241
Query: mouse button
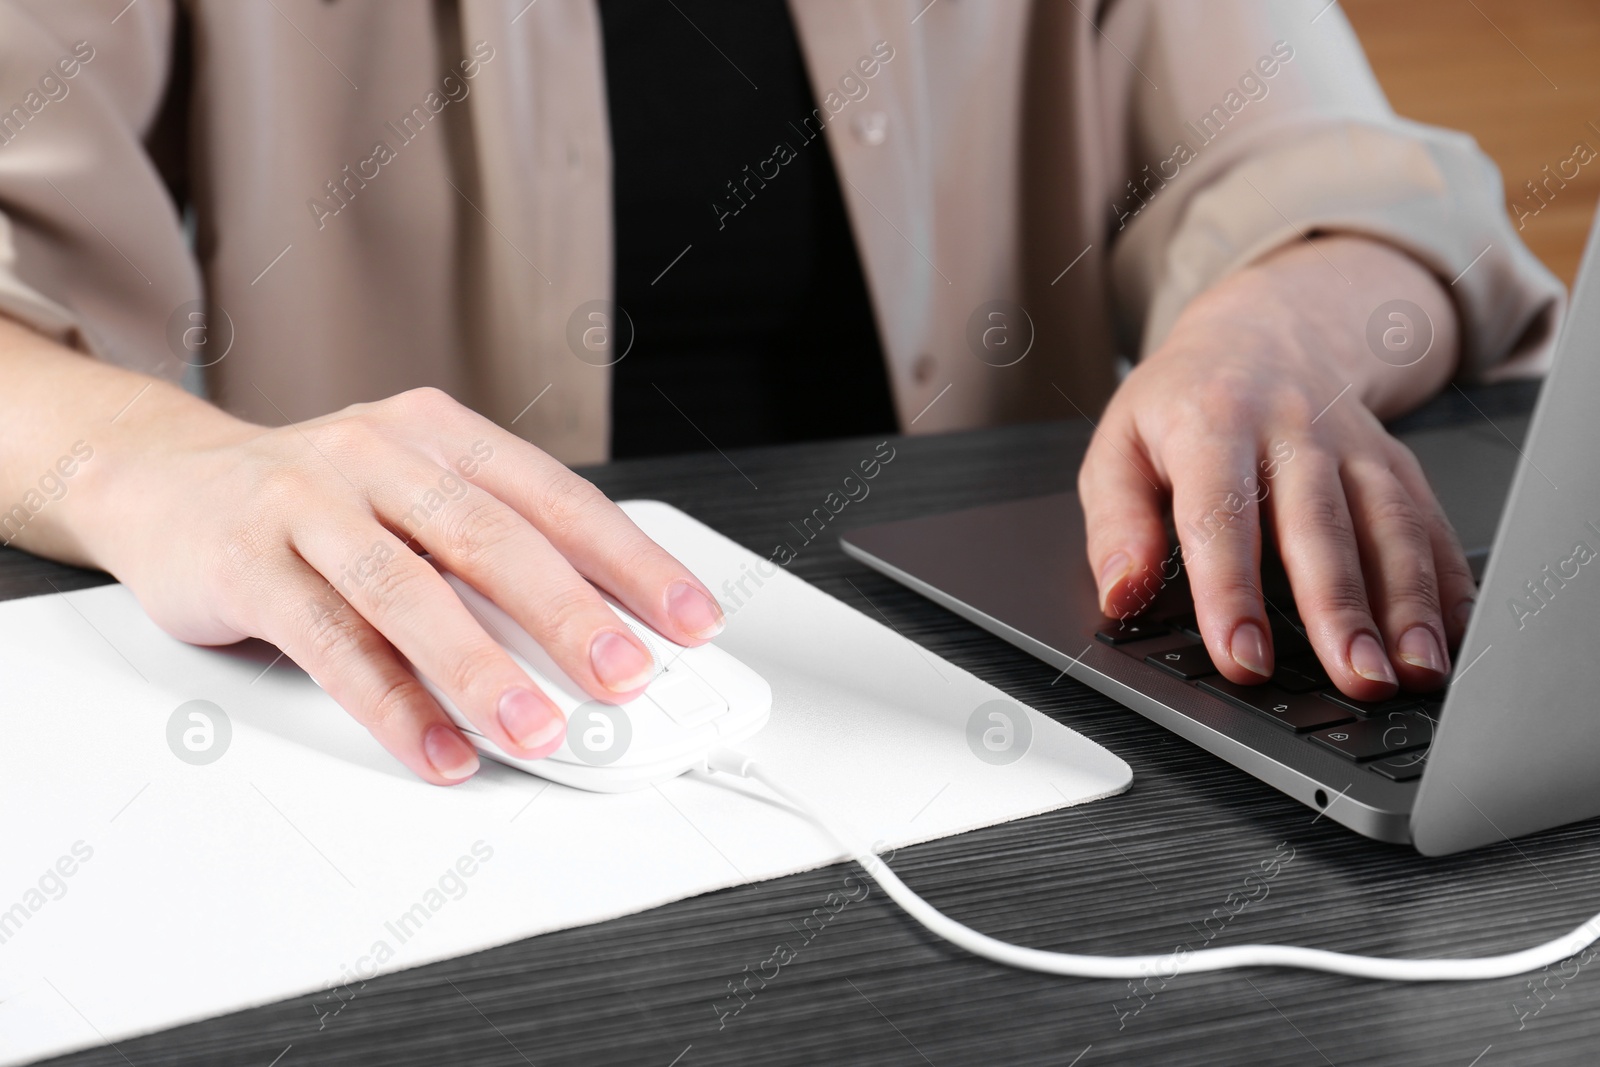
686 700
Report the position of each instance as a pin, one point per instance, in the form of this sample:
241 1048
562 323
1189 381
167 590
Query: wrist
1262 325
1367 312
143 460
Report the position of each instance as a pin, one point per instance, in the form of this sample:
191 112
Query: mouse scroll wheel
660 651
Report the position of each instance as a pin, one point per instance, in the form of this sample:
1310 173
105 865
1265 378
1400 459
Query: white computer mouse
700 699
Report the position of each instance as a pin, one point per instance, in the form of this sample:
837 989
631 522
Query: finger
411 605
1397 560
595 535
1317 542
320 631
495 550
1126 538
1217 513
1457 590
603 543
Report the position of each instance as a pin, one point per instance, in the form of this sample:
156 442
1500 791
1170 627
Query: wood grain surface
1141 872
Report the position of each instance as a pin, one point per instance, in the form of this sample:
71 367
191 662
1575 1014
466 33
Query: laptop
1510 747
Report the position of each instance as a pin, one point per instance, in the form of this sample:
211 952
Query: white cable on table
1172 963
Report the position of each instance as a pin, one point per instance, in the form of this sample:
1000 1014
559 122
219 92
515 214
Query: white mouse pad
159 867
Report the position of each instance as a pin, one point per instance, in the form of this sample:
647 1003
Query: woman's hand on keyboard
1260 411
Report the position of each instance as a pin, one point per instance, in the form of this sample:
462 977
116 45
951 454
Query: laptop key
1289 641
1123 631
1185 624
1187 661
1293 680
1406 768
1401 702
1295 711
1386 735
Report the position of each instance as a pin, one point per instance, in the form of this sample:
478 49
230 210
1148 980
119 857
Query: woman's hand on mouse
1261 409
309 535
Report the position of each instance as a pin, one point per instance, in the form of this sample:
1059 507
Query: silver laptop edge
1518 740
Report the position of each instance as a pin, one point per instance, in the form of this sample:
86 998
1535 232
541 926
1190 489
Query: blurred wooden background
1522 76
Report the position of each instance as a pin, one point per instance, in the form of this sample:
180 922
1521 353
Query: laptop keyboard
1388 738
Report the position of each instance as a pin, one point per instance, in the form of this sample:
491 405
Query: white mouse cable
1167 964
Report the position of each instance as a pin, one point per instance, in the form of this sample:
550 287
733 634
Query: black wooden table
1141 872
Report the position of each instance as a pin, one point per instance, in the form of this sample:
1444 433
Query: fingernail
693 611
1367 659
1249 649
531 722
1111 574
619 663
449 753
1463 613
1420 648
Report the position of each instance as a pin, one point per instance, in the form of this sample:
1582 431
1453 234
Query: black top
734 258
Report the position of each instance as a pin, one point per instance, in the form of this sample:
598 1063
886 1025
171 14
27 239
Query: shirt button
922 369
871 128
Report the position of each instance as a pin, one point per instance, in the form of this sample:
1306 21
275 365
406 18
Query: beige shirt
374 195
